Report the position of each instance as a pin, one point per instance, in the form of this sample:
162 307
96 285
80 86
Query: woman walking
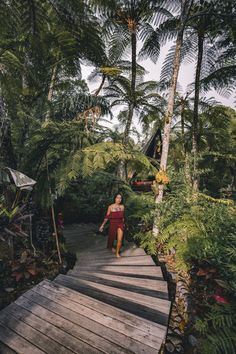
115 213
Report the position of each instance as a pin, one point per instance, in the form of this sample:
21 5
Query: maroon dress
116 222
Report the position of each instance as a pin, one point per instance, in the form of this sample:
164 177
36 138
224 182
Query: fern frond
99 157
151 46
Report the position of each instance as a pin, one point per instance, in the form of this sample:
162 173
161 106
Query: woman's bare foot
118 255
113 249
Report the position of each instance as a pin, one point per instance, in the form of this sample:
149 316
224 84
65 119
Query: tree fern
98 157
219 318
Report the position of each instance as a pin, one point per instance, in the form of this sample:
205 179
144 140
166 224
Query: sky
186 77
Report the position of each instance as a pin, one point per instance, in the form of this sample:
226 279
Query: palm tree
200 45
185 12
205 30
125 23
148 103
110 70
223 76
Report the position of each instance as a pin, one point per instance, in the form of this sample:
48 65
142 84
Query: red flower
220 299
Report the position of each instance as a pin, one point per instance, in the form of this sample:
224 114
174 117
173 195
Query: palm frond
119 43
224 77
168 30
151 46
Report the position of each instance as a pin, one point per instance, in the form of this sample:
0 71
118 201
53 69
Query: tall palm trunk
121 171
169 113
100 86
7 153
186 6
195 137
133 84
7 156
128 123
51 88
47 118
182 107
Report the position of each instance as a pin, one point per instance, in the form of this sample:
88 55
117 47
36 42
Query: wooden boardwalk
104 305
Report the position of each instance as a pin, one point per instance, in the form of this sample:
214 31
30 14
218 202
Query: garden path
103 305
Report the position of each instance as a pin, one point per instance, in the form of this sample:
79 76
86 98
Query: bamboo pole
53 213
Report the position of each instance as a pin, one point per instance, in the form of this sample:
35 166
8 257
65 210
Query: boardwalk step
89 337
107 310
148 283
90 326
131 251
154 288
144 261
99 248
154 309
99 318
147 272
34 337
110 257
26 312
15 342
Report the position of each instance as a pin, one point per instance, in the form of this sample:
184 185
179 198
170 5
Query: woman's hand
101 228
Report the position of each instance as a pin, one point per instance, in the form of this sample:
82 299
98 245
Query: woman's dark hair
117 195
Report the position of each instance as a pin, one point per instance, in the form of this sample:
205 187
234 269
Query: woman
115 213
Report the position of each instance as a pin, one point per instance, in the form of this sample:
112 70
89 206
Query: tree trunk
186 6
195 137
121 171
100 86
134 64
169 113
128 124
7 156
182 125
185 10
51 89
133 86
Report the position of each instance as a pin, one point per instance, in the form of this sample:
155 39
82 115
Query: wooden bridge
104 305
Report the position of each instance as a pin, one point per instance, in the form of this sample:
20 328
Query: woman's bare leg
119 242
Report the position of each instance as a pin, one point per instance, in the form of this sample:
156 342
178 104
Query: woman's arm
105 220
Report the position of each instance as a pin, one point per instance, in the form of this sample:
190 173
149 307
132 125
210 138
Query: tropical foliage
57 130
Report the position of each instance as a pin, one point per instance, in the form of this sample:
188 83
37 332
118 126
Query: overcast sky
186 76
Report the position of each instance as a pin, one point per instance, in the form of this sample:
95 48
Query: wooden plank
117 262
77 325
146 326
15 342
158 314
112 257
54 332
118 273
129 248
74 330
106 326
148 283
135 287
99 251
129 325
38 339
4 349
149 301
145 271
